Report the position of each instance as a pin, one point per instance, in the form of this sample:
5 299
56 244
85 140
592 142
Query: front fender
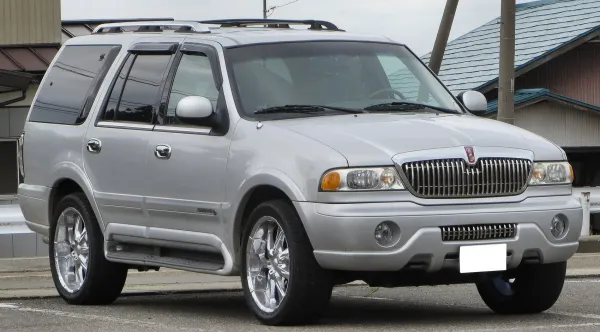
271 177
239 197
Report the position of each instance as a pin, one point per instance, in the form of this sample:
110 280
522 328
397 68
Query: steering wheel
392 90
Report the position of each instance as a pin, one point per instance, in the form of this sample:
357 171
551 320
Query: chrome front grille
454 178
478 232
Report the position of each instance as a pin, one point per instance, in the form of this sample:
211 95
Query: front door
117 143
189 164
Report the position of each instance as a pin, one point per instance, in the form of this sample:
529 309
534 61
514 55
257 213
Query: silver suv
294 154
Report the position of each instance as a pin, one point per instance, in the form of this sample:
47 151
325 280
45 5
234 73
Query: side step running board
152 256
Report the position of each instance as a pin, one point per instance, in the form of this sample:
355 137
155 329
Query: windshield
352 75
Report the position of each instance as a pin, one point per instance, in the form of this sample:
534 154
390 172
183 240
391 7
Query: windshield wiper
406 106
305 109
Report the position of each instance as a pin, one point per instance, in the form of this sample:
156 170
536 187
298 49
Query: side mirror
474 101
193 108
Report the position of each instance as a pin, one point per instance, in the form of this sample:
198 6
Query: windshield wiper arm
406 106
305 109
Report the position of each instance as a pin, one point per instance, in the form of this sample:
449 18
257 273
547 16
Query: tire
535 289
308 288
103 281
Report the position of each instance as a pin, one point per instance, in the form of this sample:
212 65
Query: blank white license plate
483 258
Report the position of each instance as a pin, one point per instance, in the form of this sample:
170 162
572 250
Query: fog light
559 226
387 234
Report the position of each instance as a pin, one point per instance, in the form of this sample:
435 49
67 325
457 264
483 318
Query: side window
135 94
115 94
194 77
71 84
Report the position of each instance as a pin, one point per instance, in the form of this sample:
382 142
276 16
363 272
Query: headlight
551 173
361 179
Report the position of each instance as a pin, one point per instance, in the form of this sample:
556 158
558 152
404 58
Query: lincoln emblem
470 154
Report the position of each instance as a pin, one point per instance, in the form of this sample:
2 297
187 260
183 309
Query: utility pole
441 41
265 9
506 80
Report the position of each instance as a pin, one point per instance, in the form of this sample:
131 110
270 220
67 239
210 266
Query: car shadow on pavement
343 310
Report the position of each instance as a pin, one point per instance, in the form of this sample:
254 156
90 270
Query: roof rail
153 26
274 23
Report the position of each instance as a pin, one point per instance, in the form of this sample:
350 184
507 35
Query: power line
269 11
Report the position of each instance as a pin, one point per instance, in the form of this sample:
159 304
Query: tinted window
69 83
140 93
194 77
113 99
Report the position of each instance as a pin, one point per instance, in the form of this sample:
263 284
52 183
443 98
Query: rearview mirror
193 108
474 101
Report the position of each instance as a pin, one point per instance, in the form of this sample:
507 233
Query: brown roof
36 58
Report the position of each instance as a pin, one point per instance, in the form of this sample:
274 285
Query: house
557 84
30 37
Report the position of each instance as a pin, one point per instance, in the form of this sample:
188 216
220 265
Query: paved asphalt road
444 308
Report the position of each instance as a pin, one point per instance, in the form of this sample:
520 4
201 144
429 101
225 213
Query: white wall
562 124
12 117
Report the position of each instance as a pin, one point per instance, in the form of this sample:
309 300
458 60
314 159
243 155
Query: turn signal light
331 181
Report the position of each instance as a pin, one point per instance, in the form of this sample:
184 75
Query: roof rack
274 23
153 26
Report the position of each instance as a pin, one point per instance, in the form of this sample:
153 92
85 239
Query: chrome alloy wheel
267 264
71 250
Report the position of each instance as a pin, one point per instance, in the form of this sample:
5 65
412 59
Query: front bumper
342 235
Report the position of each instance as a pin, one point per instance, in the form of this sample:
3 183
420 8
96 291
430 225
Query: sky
412 22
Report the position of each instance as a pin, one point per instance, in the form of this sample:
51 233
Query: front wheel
283 283
534 289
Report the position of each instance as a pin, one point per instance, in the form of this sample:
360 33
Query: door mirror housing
474 101
194 108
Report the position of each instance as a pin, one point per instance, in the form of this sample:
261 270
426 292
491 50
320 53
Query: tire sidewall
75 201
537 291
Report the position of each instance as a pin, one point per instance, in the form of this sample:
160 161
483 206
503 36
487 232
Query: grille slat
478 232
454 178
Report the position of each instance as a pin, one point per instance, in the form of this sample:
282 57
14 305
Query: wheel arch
70 179
259 189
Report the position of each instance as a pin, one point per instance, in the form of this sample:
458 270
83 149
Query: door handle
163 151
94 145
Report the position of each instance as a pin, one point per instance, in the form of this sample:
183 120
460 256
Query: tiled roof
532 95
36 58
472 61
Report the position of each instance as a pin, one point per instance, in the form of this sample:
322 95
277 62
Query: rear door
189 185
117 143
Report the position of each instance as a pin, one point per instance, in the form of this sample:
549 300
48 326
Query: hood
369 139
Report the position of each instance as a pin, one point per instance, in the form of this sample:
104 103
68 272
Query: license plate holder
482 258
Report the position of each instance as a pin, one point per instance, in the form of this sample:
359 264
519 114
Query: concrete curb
589 244
583 262
144 290
21 265
29 278
166 290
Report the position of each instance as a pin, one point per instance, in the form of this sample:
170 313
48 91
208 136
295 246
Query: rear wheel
534 289
283 284
80 271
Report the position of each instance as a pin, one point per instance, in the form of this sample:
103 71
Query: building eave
590 35
538 95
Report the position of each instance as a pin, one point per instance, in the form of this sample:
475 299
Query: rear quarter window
72 83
